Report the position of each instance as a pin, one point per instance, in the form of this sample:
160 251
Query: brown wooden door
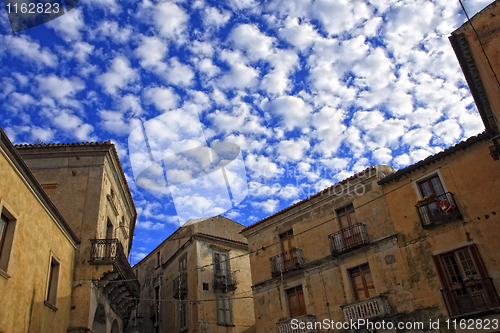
347 218
287 241
362 282
296 304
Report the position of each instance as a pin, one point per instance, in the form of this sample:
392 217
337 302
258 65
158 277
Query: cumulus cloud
118 76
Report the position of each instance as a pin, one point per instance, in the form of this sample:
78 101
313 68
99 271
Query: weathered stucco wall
197 242
473 178
36 238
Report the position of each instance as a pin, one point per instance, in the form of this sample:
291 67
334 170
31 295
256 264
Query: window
224 310
431 186
287 241
53 282
7 226
222 271
362 282
109 230
347 217
157 304
296 304
466 285
183 315
158 259
205 286
183 264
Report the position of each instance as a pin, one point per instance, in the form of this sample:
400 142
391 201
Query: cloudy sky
312 91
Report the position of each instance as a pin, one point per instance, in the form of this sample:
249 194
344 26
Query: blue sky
312 91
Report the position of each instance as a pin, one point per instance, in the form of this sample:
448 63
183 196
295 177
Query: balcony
436 210
348 239
180 285
285 326
370 308
286 262
471 297
119 284
224 281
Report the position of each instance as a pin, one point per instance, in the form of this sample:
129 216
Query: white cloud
292 111
268 206
23 48
212 16
152 51
148 225
118 76
68 26
262 166
115 122
170 19
61 89
178 73
164 99
112 30
293 149
110 5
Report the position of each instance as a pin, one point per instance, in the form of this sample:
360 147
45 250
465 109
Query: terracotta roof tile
451 150
71 144
308 198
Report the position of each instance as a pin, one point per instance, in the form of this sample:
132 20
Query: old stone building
331 258
477 46
87 184
37 252
197 280
446 216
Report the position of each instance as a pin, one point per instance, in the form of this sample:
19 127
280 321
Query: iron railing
470 297
180 285
287 261
348 239
224 280
370 308
285 326
437 209
110 251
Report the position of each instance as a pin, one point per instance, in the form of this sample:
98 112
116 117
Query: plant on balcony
426 200
445 206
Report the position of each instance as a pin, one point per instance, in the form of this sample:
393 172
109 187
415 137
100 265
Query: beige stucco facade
321 271
471 177
196 244
37 234
87 184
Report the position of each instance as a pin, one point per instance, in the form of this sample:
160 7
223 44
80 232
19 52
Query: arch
99 324
114 327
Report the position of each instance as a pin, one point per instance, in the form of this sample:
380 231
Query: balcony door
289 255
296 304
466 284
362 282
347 219
222 271
432 186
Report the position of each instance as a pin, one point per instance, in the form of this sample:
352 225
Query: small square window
205 286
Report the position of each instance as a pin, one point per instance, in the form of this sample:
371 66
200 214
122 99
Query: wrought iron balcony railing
471 297
224 281
436 210
370 308
286 262
348 239
180 285
285 326
110 251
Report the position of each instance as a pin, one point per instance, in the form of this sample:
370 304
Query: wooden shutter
481 269
441 272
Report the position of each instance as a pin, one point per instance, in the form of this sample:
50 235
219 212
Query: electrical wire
480 43
471 149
